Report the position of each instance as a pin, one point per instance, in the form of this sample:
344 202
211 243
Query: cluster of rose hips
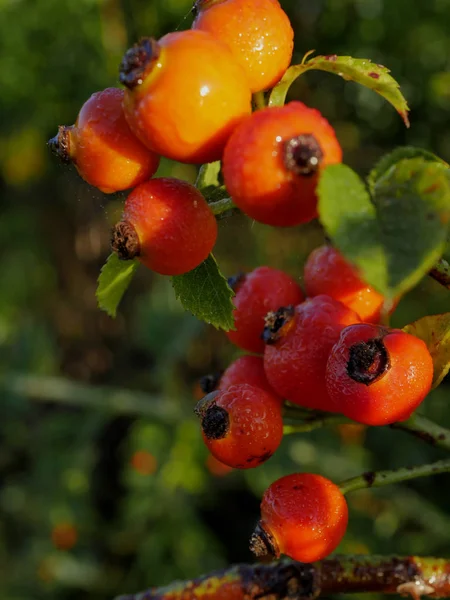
188 97
326 353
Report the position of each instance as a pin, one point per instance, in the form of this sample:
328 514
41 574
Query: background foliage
104 492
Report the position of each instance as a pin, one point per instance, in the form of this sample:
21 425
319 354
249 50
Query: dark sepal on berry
138 61
262 543
368 361
200 5
303 154
276 324
235 281
209 383
125 241
60 144
215 420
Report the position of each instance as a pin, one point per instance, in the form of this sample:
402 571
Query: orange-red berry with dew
241 426
303 515
168 225
217 468
272 162
246 369
256 293
102 146
378 376
298 342
184 96
258 33
327 272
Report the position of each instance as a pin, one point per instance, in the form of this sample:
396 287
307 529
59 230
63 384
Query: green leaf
435 332
390 159
361 70
395 239
113 282
208 176
206 294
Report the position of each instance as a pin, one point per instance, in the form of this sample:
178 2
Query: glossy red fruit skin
295 364
254 166
255 426
327 272
258 33
174 224
103 148
246 369
258 292
306 514
396 393
191 101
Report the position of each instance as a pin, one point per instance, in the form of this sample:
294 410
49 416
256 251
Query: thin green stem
259 100
222 206
208 174
110 400
426 430
419 426
315 423
441 273
380 478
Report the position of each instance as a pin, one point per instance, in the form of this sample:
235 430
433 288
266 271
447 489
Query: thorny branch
302 421
288 579
380 478
441 273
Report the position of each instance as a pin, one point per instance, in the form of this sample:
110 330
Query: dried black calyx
262 543
368 361
138 62
303 154
125 241
275 322
209 383
60 144
215 420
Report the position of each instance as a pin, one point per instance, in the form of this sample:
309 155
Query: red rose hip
245 369
263 290
378 376
242 425
327 272
298 342
167 225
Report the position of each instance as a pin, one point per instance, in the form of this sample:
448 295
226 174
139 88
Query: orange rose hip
167 225
258 33
303 515
102 146
272 161
185 95
327 272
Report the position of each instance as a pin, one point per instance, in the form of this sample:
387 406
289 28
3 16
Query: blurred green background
104 491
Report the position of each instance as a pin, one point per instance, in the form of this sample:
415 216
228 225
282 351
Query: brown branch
297 581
